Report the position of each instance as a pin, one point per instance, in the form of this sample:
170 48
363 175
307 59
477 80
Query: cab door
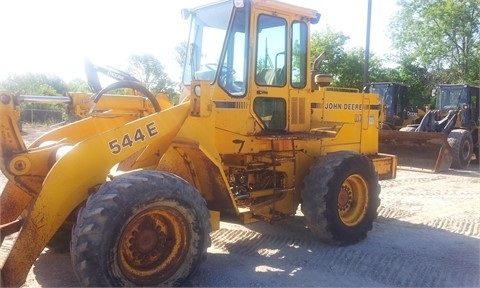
280 65
269 87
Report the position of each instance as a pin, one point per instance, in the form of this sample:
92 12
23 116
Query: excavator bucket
424 151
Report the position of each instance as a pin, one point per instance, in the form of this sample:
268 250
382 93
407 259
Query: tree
332 43
151 72
37 84
419 81
34 83
78 85
346 65
181 53
442 36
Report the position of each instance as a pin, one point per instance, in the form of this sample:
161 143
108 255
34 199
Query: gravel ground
427 235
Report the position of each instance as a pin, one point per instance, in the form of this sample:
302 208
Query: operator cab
453 97
393 96
252 58
214 55
459 97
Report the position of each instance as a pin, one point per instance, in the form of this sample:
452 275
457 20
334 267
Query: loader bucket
424 151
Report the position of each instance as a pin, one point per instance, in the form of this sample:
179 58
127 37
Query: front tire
461 142
341 198
145 228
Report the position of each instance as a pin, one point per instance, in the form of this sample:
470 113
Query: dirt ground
427 235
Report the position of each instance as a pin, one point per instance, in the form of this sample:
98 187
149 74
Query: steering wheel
225 70
125 84
212 66
226 74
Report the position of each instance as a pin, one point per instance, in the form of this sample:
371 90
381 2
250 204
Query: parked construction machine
459 103
446 137
141 183
396 112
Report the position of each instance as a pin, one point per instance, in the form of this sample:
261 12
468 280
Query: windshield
382 90
207 36
385 92
452 97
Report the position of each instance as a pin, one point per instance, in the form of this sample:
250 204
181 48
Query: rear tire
145 228
341 198
461 142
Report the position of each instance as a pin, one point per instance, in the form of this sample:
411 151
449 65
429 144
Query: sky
55 36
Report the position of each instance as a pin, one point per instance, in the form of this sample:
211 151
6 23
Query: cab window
299 55
272 112
271 51
233 70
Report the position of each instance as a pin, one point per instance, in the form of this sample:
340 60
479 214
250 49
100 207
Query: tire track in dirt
393 213
432 190
409 181
388 266
463 226
468 227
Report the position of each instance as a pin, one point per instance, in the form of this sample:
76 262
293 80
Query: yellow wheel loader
141 183
446 137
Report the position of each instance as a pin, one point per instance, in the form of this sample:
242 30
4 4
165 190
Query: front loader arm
26 168
10 137
14 199
77 174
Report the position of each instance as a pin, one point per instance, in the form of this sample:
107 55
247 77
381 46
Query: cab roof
308 14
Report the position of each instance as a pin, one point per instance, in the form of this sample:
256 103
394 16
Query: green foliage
78 85
437 41
346 65
181 53
350 69
34 83
442 36
332 43
151 73
418 79
42 84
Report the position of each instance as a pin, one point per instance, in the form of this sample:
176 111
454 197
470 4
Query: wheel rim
153 245
352 201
